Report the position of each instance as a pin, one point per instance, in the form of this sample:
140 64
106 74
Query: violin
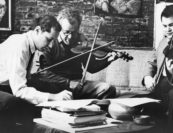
74 57
98 50
101 52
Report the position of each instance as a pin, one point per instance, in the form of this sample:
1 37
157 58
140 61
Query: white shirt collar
31 42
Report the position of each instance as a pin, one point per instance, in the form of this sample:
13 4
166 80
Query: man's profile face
167 26
69 30
43 38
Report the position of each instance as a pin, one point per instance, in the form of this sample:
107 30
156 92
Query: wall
125 31
126 75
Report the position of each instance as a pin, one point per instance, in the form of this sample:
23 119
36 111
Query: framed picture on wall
118 7
5 15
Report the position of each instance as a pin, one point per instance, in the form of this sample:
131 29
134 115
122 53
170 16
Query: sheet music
70 105
132 102
73 105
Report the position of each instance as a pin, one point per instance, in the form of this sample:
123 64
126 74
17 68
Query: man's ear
37 29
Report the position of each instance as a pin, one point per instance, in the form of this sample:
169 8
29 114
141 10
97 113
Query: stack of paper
80 118
66 106
73 105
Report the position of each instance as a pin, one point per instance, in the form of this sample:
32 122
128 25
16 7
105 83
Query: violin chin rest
79 49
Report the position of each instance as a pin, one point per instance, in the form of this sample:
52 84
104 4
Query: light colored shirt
15 54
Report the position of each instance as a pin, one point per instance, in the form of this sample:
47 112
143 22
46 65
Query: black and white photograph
86 66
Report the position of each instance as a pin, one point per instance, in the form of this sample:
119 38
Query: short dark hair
167 12
46 22
70 14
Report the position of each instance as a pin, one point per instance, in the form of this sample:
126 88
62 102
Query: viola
101 52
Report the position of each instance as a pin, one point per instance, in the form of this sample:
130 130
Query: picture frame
6 21
126 8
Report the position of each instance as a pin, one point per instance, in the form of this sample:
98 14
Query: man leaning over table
16 53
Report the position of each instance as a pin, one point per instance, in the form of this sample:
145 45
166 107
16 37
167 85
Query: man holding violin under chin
65 78
159 79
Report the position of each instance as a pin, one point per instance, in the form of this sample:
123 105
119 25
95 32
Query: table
125 127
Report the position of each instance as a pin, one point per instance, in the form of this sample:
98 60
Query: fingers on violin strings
114 54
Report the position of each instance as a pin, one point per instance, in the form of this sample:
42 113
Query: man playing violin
159 77
65 78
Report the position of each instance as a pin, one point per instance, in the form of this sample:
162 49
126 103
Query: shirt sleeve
43 60
17 77
152 65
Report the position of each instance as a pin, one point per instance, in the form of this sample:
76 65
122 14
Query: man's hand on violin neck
112 56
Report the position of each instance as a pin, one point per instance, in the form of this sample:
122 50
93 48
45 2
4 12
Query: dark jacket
71 70
154 64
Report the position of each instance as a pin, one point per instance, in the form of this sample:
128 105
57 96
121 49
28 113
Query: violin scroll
125 56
